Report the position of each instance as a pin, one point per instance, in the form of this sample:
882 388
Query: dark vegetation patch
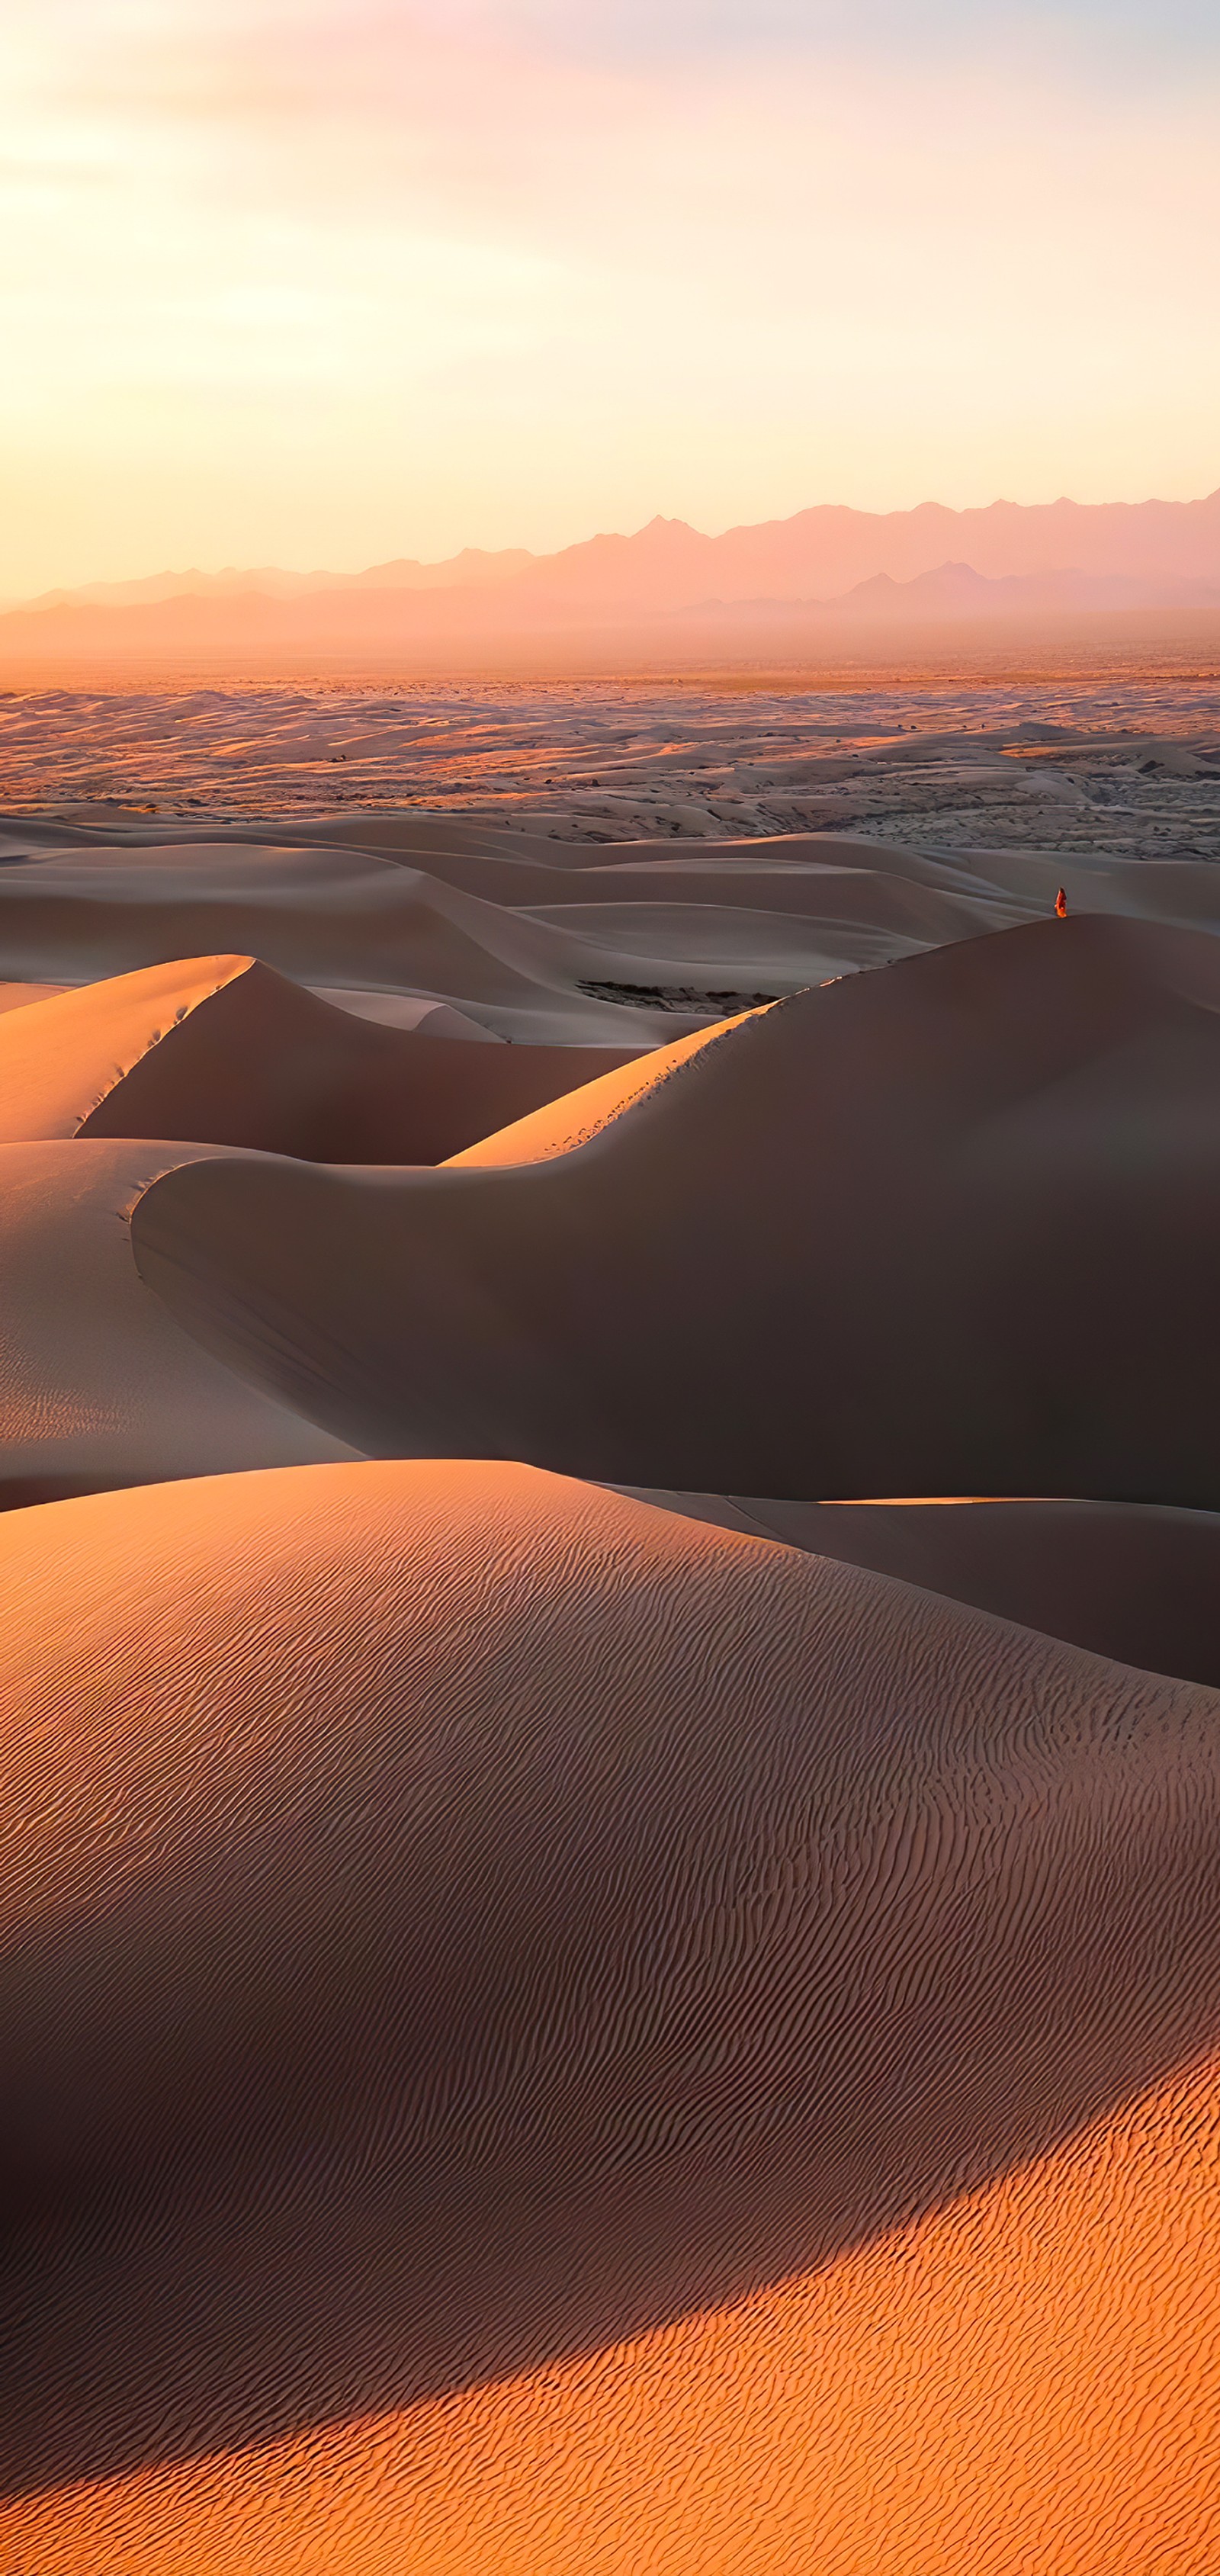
677 997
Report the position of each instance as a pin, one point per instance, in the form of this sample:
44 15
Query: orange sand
222 1050
541 2034
1028 2380
582 1112
545 2033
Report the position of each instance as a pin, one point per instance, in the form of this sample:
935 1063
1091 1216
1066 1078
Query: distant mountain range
462 571
826 570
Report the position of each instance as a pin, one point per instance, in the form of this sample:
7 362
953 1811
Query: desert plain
610 1391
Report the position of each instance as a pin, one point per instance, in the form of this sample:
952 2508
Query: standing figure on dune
1061 904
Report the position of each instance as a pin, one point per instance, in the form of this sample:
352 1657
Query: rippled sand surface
610 1689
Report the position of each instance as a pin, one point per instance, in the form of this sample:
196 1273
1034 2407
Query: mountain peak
1159 553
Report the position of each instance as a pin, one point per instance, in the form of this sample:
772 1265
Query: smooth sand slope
99 1386
222 1050
861 900
1131 1581
575 1116
602 2041
348 918
16 997
533 939
62 1057
335 917
949 1229
540 2032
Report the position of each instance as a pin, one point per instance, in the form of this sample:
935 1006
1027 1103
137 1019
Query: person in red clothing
1061 904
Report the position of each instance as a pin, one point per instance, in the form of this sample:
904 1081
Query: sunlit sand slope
1029 2380
579 1114
15 997
64 1056
950 1229
600 2041
1133 1581
99 1385
223 1050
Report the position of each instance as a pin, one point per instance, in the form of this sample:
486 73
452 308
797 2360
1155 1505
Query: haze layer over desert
612 1672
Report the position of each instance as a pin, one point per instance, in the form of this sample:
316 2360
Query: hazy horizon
220 569
295 284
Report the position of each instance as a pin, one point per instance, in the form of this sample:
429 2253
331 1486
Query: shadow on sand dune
953 1228
222 1050
490 1918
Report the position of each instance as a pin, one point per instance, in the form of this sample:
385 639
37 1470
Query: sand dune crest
553 2025
435 2000
99 1386
1136 1583
222 1050
948 1229
63 1058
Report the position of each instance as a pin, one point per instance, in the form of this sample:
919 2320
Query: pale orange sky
318 282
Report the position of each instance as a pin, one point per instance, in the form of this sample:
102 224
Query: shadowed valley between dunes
903 1235
553 2026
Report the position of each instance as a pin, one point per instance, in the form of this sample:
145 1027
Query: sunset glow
313 283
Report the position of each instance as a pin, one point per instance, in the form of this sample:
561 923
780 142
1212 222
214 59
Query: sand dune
595 2037
336 917
222 1050
987 2381
1137 1583
552 2027
575 1116
549 943
406 1011
14 997
844 882
98 1385
946 1229
1110 760
339 917
62 1058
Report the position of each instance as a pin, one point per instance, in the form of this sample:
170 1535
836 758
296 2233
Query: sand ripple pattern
572 1918
1105 759
656 2008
